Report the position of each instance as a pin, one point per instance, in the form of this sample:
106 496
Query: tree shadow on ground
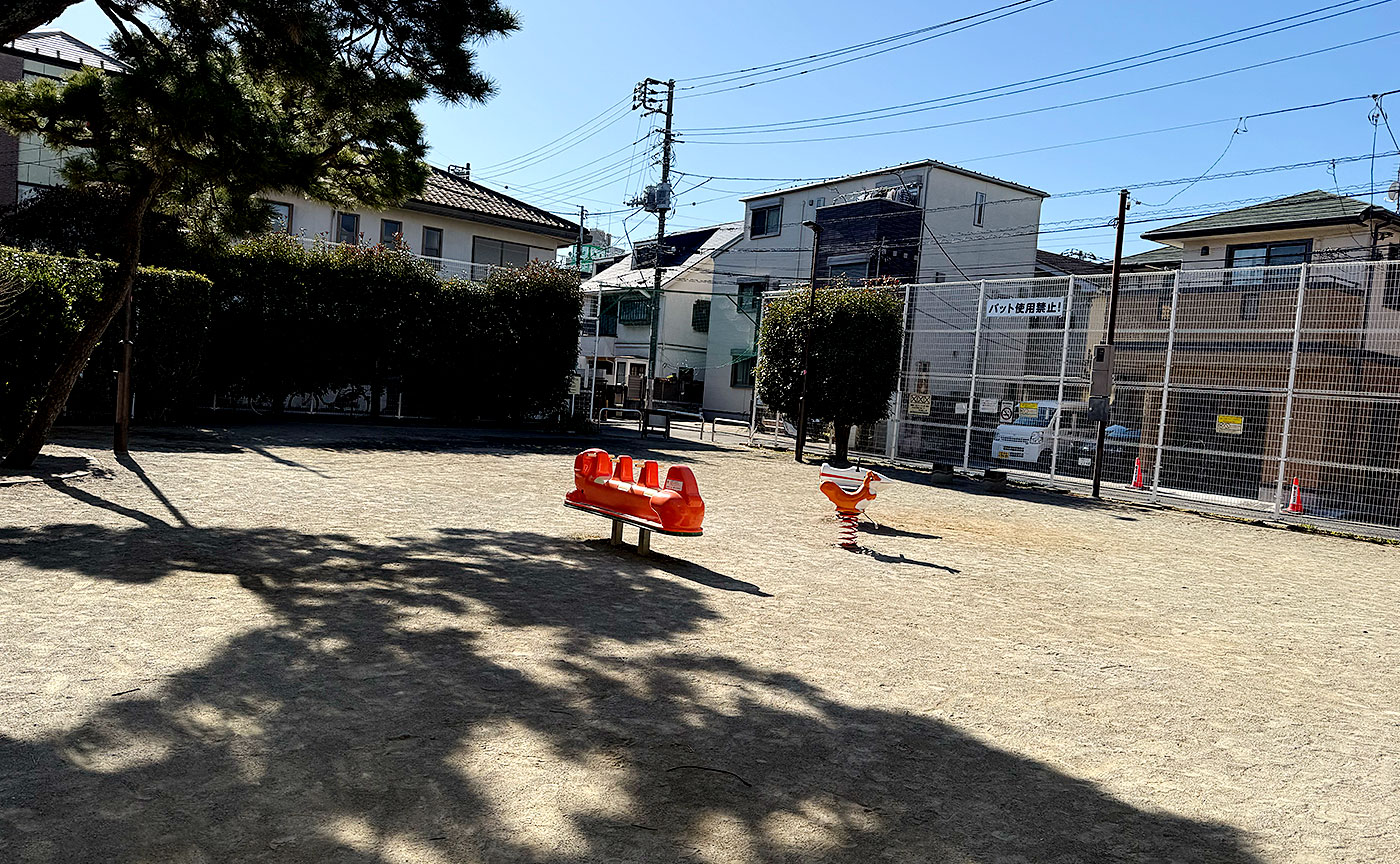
509 696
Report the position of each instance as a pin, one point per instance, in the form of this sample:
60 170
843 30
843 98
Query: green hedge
280 318
293 319
43 302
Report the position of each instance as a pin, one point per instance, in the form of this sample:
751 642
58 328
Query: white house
466 225
621 350
923 221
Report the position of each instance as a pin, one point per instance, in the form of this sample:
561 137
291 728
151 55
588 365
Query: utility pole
121 427
657 199
1102 379
578 250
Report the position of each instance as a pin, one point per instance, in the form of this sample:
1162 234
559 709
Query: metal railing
1229 385
448 268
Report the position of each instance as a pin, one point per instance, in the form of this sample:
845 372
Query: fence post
892 426
972 383
1292 380
1166 392
1064 366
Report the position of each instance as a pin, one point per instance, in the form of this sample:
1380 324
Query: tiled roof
458 193
1069 264
621 274
63 49
1162 255
1305 209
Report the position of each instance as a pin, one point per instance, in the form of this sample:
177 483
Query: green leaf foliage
43 302
854 364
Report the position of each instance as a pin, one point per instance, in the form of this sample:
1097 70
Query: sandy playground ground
349 644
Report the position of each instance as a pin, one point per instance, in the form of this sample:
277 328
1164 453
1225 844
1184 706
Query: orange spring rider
849 504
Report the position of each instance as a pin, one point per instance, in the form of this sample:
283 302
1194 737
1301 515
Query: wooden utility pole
578 250
1112 326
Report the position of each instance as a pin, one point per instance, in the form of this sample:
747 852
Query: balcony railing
449 268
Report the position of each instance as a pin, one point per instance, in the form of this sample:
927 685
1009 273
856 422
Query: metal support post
892 424
616 533
644 542
1166 393
1292 381
972 382
1064 367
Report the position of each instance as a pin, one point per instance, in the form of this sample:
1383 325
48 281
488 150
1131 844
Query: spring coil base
849 529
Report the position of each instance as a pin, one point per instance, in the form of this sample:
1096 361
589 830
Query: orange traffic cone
1137 473
1295 501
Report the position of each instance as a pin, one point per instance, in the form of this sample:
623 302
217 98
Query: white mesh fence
1229 385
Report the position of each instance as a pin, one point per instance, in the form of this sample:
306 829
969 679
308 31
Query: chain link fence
1248 391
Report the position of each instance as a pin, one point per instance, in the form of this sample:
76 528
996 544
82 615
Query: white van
1028 437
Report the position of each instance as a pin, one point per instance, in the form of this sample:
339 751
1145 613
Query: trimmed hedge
43 302
279 319
292 319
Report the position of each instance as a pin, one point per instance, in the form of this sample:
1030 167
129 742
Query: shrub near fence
43 302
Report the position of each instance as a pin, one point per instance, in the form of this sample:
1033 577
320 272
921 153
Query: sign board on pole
1035 307
575 385
919 404
1229 424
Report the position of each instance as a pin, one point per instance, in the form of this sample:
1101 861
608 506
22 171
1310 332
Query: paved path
353 645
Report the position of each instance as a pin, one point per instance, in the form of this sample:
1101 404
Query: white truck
1026 433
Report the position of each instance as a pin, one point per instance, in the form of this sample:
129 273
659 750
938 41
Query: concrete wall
312 218
11 69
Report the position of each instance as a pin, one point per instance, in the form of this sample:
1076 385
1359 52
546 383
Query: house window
347 228
1391 298
979 208
741 369
766 221
751 295
500 253
1268 254
852 267
700 316
635 309
432 242
1249 306
281 221
390 231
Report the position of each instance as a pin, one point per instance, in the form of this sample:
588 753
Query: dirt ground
347 644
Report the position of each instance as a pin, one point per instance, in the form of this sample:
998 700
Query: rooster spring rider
850 489
609 490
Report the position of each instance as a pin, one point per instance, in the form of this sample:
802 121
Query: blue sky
570 62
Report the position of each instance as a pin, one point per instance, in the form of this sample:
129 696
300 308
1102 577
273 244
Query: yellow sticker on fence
1030 409
1229 424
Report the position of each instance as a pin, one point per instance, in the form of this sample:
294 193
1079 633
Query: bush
502 349
291 319
854 357
44 300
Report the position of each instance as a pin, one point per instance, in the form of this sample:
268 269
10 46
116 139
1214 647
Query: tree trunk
65 377
843 441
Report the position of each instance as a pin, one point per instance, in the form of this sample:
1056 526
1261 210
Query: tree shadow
359 720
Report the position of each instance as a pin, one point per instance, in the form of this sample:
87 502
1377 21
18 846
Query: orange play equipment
850 499
609 489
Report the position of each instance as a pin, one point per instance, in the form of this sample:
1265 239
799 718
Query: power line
502 165
1062 105
862 116
969 18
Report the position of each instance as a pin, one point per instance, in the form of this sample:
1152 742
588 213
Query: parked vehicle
1120 448
1028 438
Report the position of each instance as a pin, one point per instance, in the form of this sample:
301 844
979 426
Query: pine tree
297 96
